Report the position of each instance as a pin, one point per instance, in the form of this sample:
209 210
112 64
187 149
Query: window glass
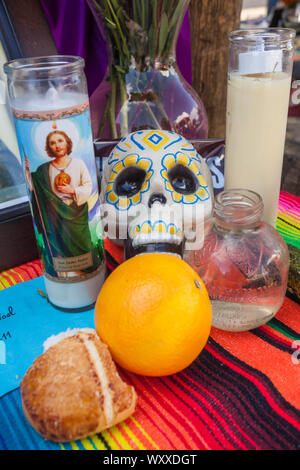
12 181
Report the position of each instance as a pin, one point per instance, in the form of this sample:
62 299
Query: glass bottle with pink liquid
244 263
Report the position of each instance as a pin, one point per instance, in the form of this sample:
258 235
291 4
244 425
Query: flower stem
124 105
104 116
146 103
138 30
112 106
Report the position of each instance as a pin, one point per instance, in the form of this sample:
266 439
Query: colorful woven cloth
242 392
288 221
288 224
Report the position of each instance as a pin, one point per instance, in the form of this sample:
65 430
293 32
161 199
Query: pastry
74 390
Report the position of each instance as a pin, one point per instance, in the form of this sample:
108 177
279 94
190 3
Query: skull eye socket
183 179
129 181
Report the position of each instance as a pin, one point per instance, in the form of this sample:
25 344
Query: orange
154 314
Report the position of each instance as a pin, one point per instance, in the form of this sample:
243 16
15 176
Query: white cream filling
100 371
54 339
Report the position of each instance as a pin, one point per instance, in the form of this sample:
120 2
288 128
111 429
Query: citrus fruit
154 314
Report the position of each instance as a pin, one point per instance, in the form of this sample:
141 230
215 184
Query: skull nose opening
157 197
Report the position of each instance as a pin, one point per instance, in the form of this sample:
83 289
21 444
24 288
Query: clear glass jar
244 263
49 101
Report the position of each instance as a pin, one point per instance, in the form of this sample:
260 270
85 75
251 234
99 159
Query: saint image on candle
60 190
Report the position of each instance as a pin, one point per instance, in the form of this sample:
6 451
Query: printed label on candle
58 157
71 264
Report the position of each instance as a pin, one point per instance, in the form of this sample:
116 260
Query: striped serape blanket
288 220
288 225
241 393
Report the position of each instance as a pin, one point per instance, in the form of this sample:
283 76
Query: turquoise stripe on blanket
15 431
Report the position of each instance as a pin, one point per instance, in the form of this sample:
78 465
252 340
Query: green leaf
120 69
111 23
176 14
154 14
163 34
143 17
141 27
151 38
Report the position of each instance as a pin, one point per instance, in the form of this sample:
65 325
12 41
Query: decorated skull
156 192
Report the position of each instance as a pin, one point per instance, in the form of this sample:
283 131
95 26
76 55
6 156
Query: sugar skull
156 192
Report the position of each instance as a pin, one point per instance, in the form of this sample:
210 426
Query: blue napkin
26 321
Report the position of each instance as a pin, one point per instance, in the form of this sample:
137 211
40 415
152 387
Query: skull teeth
156 227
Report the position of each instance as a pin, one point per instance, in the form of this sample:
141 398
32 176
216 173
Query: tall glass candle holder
259 80
49 101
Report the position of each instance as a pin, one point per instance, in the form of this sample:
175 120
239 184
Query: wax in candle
49 100
257 107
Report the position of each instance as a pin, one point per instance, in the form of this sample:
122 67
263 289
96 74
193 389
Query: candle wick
260 45
51 94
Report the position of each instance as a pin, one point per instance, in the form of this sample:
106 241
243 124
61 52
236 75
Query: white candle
259 80
50 105
257 107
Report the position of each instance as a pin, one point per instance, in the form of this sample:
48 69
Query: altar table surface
241 393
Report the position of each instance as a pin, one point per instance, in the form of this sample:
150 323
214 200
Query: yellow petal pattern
183 159
176 196
201 180
201 192
112 197
169 161
118 167
190 198
136 199
130 160
144 164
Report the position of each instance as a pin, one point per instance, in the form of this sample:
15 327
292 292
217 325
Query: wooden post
211 22
31 27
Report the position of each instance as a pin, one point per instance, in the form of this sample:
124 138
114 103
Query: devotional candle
259 81
49 101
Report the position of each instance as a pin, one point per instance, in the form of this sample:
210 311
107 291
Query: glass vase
143 87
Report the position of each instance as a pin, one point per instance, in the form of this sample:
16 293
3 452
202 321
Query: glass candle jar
49 101
259 83
244 263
